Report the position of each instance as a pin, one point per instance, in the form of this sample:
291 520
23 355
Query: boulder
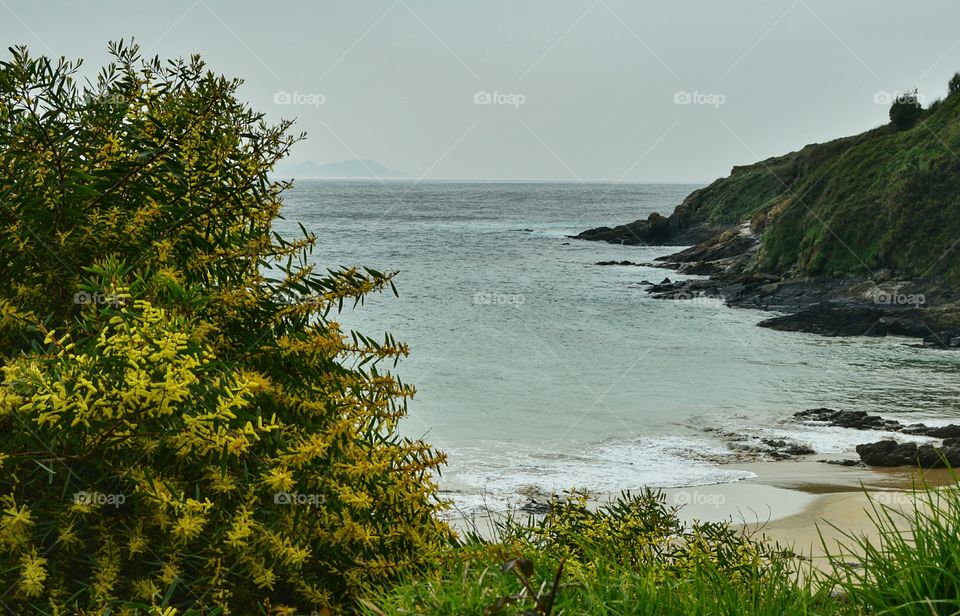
889 453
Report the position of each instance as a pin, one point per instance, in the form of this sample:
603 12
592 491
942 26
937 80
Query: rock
535 507
889 453
883 275
846 462
726 245
948 339
655 230
698 268
950 431
617 263
858 420
830 319
752 448
786 448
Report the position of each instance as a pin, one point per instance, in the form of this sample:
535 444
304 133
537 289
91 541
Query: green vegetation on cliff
887 198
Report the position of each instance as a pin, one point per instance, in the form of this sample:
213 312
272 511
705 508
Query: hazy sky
578 89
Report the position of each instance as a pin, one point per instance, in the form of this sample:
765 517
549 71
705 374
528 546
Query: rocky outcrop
860 420
618 263
848 306
890 453
655 230
857 420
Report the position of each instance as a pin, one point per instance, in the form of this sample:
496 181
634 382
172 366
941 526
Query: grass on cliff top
635 557
881 199
890 201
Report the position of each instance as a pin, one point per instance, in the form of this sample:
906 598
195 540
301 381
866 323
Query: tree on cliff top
906 110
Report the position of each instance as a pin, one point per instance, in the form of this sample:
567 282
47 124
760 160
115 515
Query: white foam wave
499 476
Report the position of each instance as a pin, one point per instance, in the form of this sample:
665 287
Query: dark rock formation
536 507
889 453
858 420
783 449
656 230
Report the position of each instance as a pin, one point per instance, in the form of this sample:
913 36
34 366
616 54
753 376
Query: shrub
183 423
632 556
906 110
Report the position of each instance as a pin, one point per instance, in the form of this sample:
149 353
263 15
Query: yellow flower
188 526
32 574
279 479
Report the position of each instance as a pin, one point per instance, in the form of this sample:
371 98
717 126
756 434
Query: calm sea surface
537 370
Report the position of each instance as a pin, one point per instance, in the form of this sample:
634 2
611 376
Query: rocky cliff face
885 199
858 236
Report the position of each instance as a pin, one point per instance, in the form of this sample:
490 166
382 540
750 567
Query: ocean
538 371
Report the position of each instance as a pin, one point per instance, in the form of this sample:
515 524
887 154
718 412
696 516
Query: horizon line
492 180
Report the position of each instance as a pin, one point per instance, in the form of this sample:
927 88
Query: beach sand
792 503
807 505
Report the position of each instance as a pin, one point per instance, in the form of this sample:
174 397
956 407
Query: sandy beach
792 503
806 504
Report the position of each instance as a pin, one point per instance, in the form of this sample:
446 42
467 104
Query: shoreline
792 503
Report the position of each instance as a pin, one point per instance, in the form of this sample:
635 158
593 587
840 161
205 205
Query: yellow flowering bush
184 426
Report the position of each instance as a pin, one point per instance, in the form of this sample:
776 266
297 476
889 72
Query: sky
673 90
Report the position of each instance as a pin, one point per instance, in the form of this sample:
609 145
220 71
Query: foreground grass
635 557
